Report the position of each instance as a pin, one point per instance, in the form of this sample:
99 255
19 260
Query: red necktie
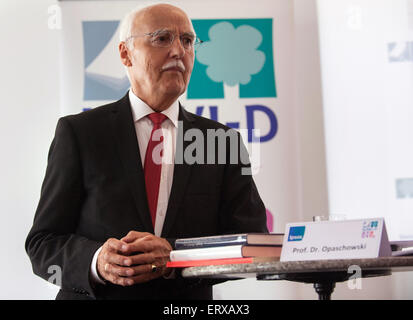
153 165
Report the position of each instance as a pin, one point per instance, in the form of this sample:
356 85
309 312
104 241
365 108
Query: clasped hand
136 258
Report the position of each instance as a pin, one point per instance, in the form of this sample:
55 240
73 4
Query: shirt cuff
94 275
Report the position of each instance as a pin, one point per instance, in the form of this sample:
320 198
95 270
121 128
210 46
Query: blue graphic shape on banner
251 109
404 188
400 51
97 36
234 52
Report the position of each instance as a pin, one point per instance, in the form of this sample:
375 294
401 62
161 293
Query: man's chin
173 90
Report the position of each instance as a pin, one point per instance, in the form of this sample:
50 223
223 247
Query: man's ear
124 54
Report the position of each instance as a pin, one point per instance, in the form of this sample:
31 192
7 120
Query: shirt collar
140 109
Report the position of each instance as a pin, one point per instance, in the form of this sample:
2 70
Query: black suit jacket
94 189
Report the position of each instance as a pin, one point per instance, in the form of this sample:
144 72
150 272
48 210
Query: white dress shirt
143 128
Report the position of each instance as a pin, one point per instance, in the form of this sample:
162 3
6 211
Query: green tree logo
218 55
235 52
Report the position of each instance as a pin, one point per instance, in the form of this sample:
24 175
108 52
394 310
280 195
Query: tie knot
157 118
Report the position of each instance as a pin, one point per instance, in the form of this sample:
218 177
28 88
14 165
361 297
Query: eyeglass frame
196 40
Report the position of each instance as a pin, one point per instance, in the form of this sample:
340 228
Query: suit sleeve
241 207
53 243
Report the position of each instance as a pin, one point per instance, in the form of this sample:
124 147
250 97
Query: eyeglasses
165 38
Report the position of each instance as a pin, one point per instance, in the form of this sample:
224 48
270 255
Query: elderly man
109 212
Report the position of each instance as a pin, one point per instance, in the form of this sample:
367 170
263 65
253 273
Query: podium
323 274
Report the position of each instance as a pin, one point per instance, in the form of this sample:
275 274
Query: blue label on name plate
296 233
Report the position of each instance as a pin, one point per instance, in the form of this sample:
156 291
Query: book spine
206 253
211 242
208 262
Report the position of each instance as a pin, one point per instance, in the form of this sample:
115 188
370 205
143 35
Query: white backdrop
367 76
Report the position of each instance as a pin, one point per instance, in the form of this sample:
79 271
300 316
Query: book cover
206 253
207 262
270 239
226 252
261 251
214 262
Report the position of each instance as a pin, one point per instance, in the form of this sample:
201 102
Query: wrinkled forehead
162 19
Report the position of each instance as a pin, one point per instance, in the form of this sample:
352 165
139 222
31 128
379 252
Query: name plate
324 240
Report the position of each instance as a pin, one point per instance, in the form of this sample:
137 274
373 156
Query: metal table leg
324 290
323 282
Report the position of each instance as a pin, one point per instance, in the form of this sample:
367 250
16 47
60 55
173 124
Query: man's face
151 78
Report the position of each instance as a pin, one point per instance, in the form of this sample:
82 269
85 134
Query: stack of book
226 249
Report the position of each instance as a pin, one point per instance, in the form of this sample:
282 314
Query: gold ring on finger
154 268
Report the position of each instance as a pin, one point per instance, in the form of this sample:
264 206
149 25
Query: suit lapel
182 172
130 156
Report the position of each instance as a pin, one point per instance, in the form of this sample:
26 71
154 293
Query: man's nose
177 49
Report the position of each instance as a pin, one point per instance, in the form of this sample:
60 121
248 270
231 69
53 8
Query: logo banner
242 77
